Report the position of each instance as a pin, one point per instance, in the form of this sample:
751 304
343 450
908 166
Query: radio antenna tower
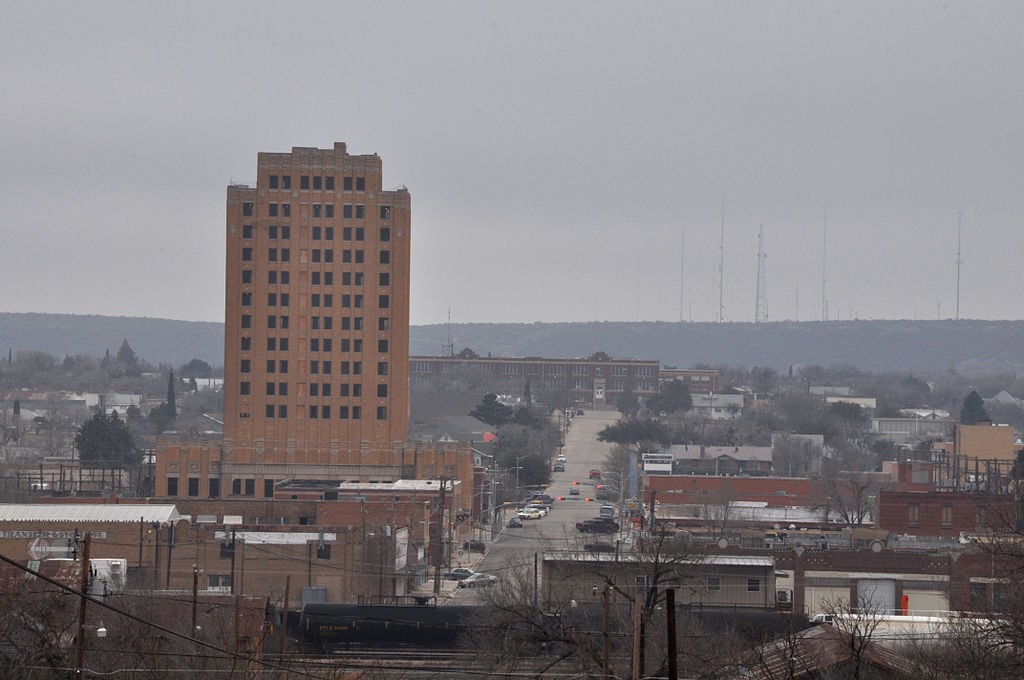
761 304
448 349
824 252
959 261
721 267
682 271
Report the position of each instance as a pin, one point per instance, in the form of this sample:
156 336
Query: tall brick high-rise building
316 351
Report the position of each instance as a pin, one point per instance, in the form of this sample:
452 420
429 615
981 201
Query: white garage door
876 596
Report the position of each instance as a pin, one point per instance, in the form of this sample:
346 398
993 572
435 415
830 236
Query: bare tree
850 498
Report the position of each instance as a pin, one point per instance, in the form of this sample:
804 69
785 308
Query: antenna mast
721 267
959 261
824 252
682 271
761 304
448 349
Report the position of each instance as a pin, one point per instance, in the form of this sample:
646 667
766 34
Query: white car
478 580
530 513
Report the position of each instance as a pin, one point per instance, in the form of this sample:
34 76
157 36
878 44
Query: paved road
514 549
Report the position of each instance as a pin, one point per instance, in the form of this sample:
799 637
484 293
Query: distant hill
913 346
154 340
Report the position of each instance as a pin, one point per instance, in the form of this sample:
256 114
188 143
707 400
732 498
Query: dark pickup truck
597 525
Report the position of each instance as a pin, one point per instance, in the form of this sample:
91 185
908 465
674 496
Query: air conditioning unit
782 596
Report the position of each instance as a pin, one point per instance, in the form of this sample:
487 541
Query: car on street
474 546
459 574
600 547
478 580
544 509
530 513
574 491
559 467
579 412
607 511
595 474
597 525
515 523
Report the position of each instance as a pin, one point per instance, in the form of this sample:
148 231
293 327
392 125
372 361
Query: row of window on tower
323 412
348 323
347 300
345 345
315 367
283 277
318 255
284 232
317 182
345 390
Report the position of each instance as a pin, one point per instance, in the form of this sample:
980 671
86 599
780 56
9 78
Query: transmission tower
721 267
761 305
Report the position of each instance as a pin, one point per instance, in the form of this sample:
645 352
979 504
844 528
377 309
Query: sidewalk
460 558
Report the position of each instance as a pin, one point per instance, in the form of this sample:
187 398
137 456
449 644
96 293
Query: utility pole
670 631
439 562
284 614
83 598
195 593
638 635
606 646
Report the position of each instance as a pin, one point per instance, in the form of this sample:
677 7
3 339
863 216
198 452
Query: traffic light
588 499
561 498
575 483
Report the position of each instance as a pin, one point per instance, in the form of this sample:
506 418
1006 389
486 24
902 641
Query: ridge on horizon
964 345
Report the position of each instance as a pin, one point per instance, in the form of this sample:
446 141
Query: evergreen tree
492 411
628 404
674 396
126 355
170 395
106 441
973 409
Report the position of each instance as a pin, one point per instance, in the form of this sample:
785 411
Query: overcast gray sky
567 160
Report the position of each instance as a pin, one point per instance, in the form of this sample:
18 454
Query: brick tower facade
316 367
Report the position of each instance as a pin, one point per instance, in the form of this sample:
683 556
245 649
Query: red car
595 474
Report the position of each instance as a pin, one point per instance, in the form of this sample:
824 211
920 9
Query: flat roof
88 512
641 558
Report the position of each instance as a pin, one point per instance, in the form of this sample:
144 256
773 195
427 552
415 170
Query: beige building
316 380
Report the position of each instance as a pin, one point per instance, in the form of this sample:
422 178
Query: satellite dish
723 543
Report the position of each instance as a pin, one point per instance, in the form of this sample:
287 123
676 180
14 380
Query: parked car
599 547
544 509
542 497
560 458
478 580
597 525
530 513
607 511
459 574
474 546
515 523
579 412
559 467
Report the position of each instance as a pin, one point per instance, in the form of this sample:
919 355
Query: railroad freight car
325 626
